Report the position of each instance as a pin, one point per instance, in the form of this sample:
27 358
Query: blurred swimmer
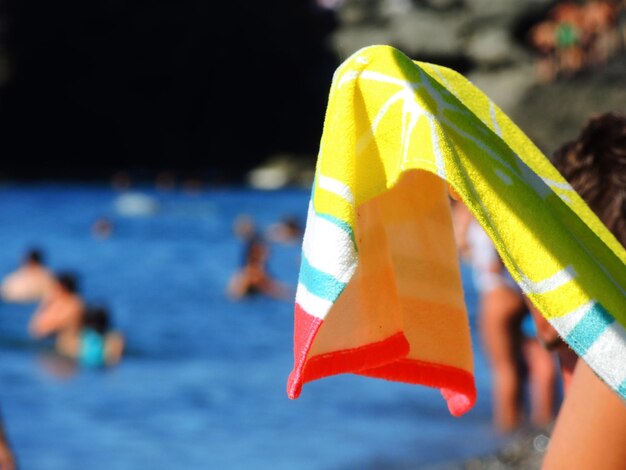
244 227
7 461
98 345
102 228
60 314
253 277
288 230
30 283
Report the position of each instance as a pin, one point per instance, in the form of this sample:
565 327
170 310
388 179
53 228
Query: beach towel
379 291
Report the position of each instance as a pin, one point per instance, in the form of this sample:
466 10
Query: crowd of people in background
578 35
82 332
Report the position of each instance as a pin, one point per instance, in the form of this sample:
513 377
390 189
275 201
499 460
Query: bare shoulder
591 429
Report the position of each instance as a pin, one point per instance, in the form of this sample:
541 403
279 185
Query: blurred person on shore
30 283
600 39
60 314
576 37
568 37
512 354
621 25
542 39
590 431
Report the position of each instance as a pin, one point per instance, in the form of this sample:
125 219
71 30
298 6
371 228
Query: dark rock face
476 32
486 40
184 85
554 114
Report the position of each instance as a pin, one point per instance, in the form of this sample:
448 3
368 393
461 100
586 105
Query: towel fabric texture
380 291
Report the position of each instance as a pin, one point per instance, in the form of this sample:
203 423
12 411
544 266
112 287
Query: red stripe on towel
356 359
385 359
304 330
455 384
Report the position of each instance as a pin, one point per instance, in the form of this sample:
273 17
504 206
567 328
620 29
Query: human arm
590 431
113 347
55 316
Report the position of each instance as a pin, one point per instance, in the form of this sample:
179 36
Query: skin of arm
590 431
55 316
113 347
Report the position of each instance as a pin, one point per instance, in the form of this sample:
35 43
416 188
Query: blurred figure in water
98 346
60 314
7 461
288 230
30 283
501 313
244 227
102 228
253 277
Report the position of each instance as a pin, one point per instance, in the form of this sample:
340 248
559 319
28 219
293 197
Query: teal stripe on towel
319 283
589 328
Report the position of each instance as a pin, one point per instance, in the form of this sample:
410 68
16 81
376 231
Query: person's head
102 228
34 256
244 227
292 225
96 318
67 283
595 165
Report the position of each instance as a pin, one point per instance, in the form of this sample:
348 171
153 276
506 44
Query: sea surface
203 381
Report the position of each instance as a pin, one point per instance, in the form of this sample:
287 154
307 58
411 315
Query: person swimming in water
253 277
60 314
7 461
288 230
98 345
30 283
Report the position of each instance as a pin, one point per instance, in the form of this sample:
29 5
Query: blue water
203 382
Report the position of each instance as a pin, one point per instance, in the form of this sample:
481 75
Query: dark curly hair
595 165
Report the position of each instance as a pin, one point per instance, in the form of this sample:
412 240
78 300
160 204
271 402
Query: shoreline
525 449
